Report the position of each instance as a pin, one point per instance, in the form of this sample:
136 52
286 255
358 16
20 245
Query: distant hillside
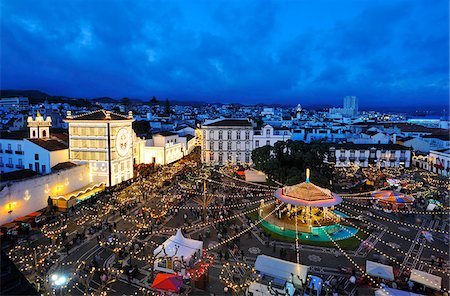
34 96
104 100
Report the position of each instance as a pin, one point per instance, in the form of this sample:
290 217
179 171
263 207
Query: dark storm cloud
250 51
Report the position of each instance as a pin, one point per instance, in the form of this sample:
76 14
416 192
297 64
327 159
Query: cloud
250 51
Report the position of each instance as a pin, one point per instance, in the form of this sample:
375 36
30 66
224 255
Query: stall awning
426 279
379 270
83 192
255 176
280 269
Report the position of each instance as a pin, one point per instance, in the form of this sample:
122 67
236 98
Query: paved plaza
105 245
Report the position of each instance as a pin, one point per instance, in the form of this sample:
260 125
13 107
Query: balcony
362 158
9 165
402 158
352 158
19 166
342 158
392 158
19 152
8 151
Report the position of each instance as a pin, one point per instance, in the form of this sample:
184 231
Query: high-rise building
350 107
351 103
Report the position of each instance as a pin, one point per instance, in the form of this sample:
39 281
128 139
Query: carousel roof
307 194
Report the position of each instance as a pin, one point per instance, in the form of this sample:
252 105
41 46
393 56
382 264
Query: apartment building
363 155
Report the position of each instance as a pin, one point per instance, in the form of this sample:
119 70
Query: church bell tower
39 128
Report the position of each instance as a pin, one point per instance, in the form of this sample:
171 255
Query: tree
167 110
154 101
287 162
126 102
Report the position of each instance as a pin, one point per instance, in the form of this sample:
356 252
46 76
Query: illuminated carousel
306 211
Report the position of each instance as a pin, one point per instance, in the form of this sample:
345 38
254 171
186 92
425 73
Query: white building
227 141
22 196
105 141
34 149
439 162
165 148
363 155
17 103
269 135
233 140
350 107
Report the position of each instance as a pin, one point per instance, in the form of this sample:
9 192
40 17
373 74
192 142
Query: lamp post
59 280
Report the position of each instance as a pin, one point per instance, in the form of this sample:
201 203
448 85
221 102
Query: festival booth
167 283
255 176
427 279
72 198
393 200
394 292
177 254
379 270
281 271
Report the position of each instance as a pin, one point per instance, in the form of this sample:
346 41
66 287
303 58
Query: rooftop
165 134
50 144
17 175
99 115
14 135
368 146
230 122
63 166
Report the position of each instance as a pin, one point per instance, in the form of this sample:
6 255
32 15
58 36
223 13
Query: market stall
379 270
177 254
392 199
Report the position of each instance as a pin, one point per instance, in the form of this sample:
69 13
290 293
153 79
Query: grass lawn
347 244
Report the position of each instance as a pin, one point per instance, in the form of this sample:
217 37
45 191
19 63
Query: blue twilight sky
313 52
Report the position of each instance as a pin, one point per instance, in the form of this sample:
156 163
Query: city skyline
271 52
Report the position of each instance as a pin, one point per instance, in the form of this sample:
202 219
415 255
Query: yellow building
104 140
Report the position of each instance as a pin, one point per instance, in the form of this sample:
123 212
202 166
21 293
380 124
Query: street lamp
59 280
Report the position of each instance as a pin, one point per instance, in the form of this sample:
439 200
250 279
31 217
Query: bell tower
39 128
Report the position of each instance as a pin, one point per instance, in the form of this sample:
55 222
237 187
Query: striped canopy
392 197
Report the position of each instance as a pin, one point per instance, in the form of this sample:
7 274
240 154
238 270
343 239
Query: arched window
34 134
44 133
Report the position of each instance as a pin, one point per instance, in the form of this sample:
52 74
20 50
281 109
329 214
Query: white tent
379 270
394 292
255 176
177 250
426 279
281 269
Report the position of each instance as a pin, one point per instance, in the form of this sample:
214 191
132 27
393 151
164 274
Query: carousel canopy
178 245
379 270
280 269
307 194
167 282
392 197
426 279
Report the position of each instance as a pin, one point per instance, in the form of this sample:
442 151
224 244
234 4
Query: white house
269 135
166 147
34 149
